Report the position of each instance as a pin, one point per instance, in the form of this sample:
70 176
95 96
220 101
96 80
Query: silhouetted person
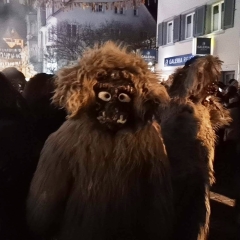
16 78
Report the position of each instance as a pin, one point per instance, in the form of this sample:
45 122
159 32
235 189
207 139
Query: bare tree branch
68 41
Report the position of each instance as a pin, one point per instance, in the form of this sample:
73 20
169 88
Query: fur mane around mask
74 84
194 79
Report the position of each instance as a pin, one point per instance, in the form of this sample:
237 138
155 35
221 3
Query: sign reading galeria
177 60
149 55
203 46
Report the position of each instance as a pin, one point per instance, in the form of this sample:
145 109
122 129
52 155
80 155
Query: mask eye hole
105 96
123 97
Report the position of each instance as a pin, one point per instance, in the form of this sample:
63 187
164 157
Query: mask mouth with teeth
114 102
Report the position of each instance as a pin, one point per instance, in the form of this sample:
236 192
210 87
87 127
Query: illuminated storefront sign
10 57
149 55
8 53
203 46
177 60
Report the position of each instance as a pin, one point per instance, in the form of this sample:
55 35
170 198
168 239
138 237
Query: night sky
152 7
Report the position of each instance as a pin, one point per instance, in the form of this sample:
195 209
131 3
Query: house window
71 30
49 10
50 34
74 31
32 28
46 36
98 8
189 25
135 11
170 32
121 10
217 16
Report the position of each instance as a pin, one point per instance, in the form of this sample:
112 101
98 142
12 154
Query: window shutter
200 16
176 28
160 34
208 28
183 23
164 33
229 9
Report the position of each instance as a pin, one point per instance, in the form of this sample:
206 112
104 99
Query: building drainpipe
238 71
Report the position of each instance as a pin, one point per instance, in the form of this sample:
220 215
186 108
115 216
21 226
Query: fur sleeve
49 189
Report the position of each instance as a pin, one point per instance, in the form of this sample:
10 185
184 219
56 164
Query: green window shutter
229 10
200 16
183 25
208 27
164 33
160 34
176 28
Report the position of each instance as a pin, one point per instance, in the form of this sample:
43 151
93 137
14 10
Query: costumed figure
188 128
104 173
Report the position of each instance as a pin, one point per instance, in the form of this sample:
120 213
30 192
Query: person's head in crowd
16 78
191 61
233 82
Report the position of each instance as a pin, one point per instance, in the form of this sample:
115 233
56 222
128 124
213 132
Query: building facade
187 28
75 13
13 27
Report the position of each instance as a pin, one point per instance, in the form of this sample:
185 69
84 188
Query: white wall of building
80 15
88 16
225 42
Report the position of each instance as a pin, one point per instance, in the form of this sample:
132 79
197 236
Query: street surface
222 224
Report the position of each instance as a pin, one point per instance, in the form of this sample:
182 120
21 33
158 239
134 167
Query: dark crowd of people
27 118
227 159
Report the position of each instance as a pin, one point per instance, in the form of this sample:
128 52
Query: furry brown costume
199 82
189 139
104 174
188 128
